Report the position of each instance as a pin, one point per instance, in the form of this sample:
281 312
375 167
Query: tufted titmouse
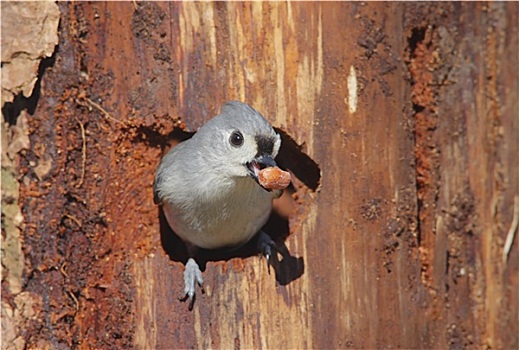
208 185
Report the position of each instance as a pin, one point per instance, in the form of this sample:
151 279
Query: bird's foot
192 276
265 244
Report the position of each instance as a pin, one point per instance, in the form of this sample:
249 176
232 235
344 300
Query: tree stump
399 124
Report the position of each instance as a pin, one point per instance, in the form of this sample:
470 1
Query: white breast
229 218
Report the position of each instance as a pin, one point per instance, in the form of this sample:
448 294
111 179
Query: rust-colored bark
399 122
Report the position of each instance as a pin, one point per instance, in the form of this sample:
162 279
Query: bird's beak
261 162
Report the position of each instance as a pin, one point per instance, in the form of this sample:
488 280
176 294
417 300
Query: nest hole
291 158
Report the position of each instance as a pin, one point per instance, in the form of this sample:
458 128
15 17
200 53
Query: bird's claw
265 244
192 276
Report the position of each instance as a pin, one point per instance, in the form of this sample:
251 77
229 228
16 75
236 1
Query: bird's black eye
236 139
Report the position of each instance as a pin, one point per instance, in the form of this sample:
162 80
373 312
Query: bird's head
239 142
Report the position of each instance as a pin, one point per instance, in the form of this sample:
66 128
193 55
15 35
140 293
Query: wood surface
399 123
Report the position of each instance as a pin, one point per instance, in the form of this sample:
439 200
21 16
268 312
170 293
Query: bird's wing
166 164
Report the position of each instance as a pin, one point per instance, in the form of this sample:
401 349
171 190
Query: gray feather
203 186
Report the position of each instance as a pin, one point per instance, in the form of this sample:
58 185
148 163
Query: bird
208 186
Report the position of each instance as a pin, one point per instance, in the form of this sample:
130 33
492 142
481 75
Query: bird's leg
192 276
265 244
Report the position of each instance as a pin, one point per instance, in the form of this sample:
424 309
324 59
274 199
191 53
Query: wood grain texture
400 126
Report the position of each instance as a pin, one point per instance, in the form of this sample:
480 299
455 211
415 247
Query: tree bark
399 123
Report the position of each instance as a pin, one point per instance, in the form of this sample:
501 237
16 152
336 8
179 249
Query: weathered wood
399 121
